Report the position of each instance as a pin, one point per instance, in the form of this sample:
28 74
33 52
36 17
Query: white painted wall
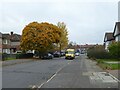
117 38
119 11
107 44
0 45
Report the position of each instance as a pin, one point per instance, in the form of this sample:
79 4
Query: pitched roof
117 25
15 37
108 37
86 46
7 36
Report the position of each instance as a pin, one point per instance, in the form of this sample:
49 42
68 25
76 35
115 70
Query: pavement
17 61
115 73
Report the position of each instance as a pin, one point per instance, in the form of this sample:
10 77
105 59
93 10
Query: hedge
24 55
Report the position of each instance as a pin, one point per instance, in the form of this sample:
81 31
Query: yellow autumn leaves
42 36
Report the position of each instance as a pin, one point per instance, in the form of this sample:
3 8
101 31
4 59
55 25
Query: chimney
11 33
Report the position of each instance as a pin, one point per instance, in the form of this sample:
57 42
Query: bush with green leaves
114 50
98 52
24 55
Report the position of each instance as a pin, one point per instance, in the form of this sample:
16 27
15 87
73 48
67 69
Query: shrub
114 50
98 52
24 55
6 56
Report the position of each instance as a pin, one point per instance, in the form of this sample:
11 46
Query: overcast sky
86 20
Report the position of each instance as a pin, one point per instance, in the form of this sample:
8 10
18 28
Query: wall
15 43
0 45
119 11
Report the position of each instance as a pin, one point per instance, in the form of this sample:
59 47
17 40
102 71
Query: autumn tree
63 43
40 36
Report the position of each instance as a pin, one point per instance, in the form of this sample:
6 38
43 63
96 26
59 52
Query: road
57 73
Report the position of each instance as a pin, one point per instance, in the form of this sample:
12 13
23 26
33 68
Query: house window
5 41
6 51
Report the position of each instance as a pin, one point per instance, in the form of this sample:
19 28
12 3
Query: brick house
15 42
84 48
6 43
10 43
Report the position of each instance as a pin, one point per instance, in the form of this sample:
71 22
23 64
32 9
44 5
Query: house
108 39
84 48
116 32
119 11
15 42
6 43
10 43
0 42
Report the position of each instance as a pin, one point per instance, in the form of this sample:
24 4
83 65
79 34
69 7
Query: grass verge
108 66
9 59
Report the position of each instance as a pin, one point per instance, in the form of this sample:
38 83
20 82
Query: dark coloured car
62 53
47 56
57 54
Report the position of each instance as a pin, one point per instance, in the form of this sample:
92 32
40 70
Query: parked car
47 56
62 53
57 54
77 54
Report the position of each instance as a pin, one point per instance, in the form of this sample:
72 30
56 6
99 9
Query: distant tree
40 36
64 35
71 45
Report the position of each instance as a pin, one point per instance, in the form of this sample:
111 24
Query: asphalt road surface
57 73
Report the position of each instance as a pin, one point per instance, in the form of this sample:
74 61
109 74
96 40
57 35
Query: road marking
41 85
51 77
114 77
33 86
104 77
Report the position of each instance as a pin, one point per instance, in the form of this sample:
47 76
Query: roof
109 36
13 37
86 46
6 36
117 25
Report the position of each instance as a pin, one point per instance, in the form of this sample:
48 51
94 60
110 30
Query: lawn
111 66
10 59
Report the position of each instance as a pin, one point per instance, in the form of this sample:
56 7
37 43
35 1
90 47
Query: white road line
41 85
33 86
114 77
50 78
